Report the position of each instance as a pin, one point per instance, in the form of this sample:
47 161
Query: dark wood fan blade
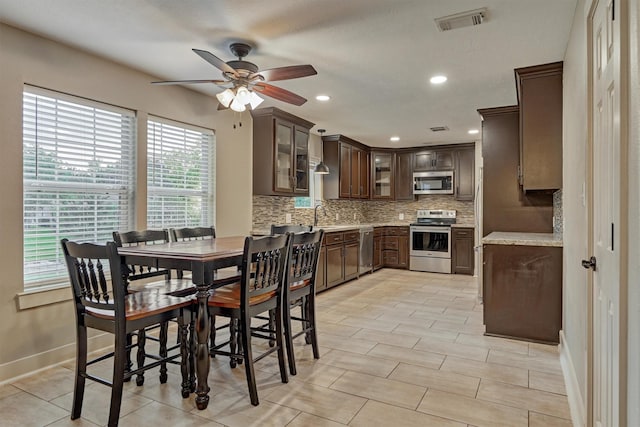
279 94
286 73
215 61
180 82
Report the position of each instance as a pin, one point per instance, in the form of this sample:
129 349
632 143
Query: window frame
315 188
66 124
207 218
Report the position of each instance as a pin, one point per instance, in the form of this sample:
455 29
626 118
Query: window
77 177
180 175
315 187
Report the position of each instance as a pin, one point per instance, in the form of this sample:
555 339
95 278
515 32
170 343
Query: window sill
40 297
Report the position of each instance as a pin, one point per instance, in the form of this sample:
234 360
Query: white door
605 212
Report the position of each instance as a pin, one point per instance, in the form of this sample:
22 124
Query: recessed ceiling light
473 131
323 97
394 138
436 80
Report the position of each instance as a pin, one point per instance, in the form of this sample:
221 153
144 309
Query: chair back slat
139 271
264 265
304 256
91 287
193 233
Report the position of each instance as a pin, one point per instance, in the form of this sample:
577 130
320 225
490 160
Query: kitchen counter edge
523 239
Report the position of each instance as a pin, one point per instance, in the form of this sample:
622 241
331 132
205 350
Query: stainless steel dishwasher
366 250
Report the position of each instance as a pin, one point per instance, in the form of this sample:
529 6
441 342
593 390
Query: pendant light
321 168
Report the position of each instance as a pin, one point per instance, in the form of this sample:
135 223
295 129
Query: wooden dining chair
138 271
193 233
203 233
102 303
300 291
260 289
134 273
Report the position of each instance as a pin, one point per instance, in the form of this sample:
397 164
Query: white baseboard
16 369
574 395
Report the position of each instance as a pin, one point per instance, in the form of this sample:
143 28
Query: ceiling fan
241 77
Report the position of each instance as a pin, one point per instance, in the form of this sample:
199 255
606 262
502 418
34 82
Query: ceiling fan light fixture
225 97
237 106
254 100
243 96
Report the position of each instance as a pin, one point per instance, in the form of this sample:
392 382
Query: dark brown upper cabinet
382 175
404 175
280 153
348 162
464 173
433 160
540 98
505 206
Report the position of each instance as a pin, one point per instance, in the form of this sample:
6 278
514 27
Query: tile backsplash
269 210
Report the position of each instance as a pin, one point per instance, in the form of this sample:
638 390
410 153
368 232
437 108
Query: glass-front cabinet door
283 180
382 175
302 161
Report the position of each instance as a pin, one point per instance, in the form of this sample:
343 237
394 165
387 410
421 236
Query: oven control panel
436 213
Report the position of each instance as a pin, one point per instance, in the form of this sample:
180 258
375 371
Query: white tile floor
398 348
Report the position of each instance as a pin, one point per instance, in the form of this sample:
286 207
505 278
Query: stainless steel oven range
430 241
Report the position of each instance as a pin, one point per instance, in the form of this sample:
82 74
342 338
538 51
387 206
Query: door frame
621 14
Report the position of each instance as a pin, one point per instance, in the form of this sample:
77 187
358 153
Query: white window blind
180 175
78 170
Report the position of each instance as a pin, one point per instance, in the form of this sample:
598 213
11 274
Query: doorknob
590 263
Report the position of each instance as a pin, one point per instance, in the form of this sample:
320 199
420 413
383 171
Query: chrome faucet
315 214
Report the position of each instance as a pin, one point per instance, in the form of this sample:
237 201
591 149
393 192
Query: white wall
40 336
574 154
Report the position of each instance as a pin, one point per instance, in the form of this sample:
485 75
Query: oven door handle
430 229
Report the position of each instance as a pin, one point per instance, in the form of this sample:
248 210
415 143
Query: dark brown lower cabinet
394 246
522 291
351 260
403 251
321 282
377 248
462 255
341 258
335 265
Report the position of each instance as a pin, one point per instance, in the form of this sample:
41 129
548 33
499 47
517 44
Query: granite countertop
464 225
523 239
345 227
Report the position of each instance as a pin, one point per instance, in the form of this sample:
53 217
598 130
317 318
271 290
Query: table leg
202 348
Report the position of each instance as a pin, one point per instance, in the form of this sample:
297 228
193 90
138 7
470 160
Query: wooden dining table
202 258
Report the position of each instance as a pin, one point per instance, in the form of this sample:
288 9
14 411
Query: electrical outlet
337 216
287 218
401 216
354 216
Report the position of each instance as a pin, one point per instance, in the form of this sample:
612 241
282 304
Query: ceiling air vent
439 128
463 19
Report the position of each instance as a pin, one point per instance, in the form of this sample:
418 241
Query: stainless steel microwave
436 182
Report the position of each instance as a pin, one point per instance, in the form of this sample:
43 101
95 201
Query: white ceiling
373 57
